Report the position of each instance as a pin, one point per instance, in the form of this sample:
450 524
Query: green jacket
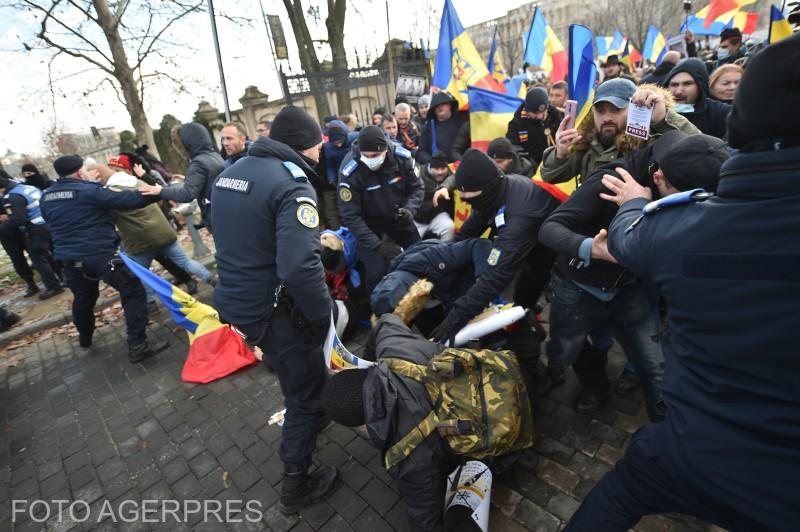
583 162
144 229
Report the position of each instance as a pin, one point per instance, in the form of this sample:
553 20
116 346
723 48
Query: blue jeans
629 317
176 254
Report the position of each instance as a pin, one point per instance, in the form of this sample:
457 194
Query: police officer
379 195
80 214
272 286
21 202
534 125
514 207
727 268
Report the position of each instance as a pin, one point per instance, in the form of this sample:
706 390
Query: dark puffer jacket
441 136
709 116
206 163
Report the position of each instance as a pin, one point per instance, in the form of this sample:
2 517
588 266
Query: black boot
32 289
191 286
301 489
50 292
85 339
144 350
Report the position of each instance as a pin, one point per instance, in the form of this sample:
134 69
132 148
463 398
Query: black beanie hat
438 160
371 138
295 128
28 167
536 100
769 89
690 161
476 171
500 148
343 399
67 164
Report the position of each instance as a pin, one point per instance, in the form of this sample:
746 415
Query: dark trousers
296 356
404 234
84 283
14 244
647 480
38 240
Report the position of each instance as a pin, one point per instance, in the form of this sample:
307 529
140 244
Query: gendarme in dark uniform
728 268
80 215
534 125
272 285
379 203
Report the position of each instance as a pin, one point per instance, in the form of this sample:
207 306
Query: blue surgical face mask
373 163
684 108
723 53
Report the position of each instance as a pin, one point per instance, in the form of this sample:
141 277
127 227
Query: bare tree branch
165 28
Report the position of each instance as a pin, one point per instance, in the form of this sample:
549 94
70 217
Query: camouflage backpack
480 403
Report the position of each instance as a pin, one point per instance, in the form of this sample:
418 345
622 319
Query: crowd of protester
350 222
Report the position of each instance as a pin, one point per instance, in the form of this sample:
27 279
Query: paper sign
337 356
471 490
639 121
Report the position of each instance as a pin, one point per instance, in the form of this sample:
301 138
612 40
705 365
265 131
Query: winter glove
403 215
446 331
389 249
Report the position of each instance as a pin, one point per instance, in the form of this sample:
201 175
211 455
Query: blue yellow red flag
610 45
630 55
214 349
582 71
655 46
495 62
543 49
489 115
779 27
458 63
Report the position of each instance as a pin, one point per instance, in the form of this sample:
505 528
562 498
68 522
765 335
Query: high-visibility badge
494 257
307 216
345 194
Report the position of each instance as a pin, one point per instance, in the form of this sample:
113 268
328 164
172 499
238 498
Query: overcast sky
26 107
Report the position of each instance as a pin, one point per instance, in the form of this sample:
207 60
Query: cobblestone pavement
87 425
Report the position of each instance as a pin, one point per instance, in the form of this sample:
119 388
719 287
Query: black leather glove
446 331
403 215
389 249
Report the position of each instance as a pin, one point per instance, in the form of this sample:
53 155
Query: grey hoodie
206 163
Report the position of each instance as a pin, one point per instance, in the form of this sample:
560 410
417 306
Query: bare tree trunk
335 26
124 75
308 56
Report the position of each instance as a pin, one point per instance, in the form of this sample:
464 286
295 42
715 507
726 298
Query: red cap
120 161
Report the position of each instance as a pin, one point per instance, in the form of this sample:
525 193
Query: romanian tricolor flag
495 62
655 46
723 11
630 55
779 27
214 349
517 85
582 71
745 21
489 115
610 45
543 49
458 63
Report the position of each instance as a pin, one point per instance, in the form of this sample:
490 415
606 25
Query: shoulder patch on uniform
344 194
307 216
233 184
494 257
297 173
306 199
402 152
349 167
59 195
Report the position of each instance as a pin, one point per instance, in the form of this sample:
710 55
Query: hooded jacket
589 154
333 155
709 116
206 163
393 406
440 136
266 234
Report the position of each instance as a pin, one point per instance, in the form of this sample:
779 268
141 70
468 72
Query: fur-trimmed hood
625 144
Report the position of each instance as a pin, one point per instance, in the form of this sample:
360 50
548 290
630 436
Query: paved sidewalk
87 425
